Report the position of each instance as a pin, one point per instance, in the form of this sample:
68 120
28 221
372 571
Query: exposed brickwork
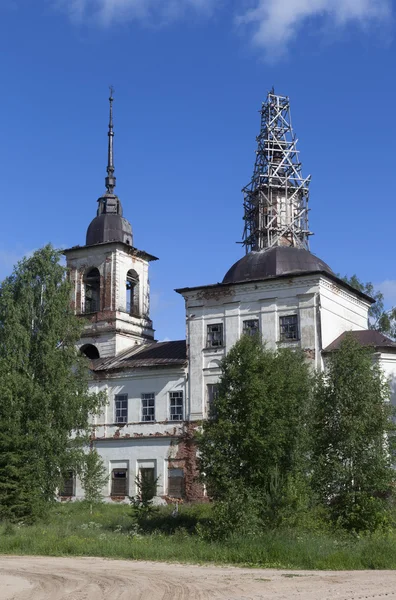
186 459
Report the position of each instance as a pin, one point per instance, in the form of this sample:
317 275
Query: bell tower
109 276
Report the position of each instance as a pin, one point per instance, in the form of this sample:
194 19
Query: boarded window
288 328
121 408
68 488
176 406
215 335
251 327
148 407
119 482
176 483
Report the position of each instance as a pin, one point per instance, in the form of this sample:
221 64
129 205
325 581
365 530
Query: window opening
176 406
92 291
176 483
90 351
68 485
251 327
288 328
119 482
132 293
212 394
215 335
148 482
121 408
148 407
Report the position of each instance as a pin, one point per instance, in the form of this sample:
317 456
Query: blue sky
189 77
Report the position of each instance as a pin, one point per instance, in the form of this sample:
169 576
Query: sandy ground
25 578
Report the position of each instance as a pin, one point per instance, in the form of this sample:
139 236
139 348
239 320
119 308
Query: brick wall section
186 458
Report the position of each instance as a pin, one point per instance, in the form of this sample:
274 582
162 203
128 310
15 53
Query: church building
159 392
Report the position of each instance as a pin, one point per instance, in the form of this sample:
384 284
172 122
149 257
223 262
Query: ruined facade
159 392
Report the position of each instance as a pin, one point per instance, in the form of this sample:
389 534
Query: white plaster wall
340 311
324 311
387 361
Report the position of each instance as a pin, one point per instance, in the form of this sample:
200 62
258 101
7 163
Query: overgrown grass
70 530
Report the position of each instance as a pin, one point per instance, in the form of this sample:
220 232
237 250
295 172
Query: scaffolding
276 199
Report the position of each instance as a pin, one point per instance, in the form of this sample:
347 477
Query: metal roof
365 337
156 354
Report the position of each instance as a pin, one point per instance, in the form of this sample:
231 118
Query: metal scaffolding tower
276 199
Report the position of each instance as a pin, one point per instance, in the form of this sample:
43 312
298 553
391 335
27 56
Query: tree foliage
93 477
352 438
379 319
44 393
256 439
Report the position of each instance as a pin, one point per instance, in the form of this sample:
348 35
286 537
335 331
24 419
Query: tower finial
110 179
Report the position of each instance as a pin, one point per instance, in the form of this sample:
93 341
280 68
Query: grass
71 530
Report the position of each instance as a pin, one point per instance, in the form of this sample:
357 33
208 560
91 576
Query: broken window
176 406
148 407
212 392
214 335
251 327
121 408
68 488
288 328
148 482
119 482
176 483
132 293
92 291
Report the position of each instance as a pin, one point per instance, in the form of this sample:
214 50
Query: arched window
92 291
132 293
90 351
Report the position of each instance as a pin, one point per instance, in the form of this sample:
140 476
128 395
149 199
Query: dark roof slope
274 262
156 354
365 337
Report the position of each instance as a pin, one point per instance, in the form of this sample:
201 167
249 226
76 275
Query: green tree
379 319
255 443
352 438
44 395
93 477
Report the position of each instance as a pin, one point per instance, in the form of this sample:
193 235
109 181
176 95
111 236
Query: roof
131 249
155 354
365 337
328 274
272 262
109 228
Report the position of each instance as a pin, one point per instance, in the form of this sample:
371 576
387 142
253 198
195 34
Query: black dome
274 262
109 228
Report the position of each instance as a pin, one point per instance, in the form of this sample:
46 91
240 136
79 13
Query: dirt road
24 578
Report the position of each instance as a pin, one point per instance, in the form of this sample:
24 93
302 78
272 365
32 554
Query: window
121 408
68 485
92 291
132 293
212 390
119 482
176 406
288 328
148 407
251 327
176 483
148 483
215 335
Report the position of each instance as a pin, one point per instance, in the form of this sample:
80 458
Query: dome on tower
109 228
274 262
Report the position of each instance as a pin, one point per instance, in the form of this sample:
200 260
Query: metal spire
276 199
110 179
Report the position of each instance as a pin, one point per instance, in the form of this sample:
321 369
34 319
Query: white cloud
107 12
388 288
276 23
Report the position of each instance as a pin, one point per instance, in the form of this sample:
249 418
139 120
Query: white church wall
387 361
341 310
